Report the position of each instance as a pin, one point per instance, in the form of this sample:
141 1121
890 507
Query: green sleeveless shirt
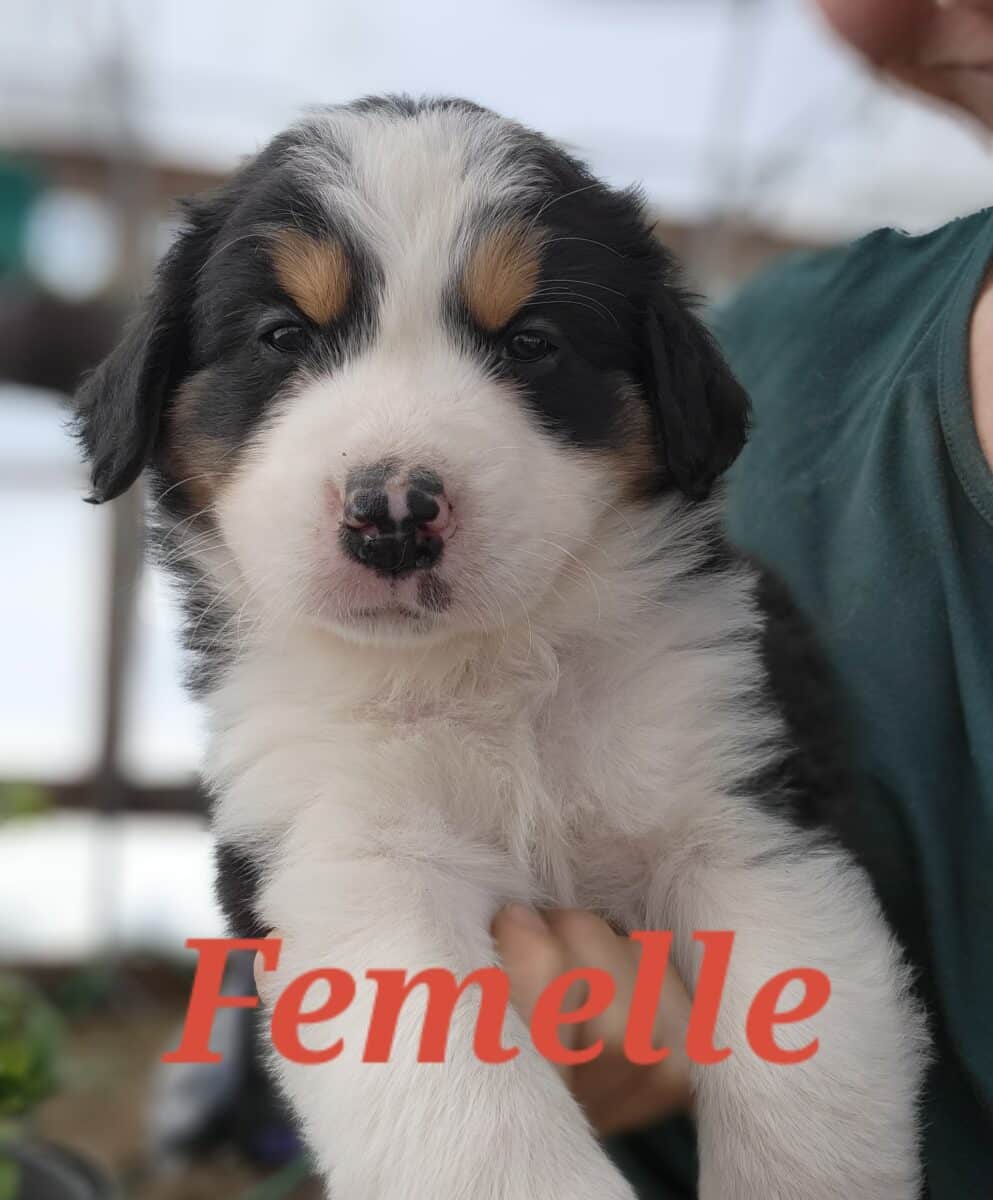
864 486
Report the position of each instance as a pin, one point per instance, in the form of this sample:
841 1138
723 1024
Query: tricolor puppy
431 432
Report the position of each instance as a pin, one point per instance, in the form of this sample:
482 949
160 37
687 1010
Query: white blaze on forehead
410 189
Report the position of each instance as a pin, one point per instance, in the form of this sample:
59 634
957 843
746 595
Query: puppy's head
392 375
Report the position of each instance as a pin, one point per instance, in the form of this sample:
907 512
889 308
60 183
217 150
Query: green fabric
864 486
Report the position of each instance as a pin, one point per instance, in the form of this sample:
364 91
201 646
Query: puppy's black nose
392 522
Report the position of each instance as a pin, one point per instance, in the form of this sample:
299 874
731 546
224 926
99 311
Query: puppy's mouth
387 612
390 621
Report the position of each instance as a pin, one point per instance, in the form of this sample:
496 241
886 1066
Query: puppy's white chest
561 789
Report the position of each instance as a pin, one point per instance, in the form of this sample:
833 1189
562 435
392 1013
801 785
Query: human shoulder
817 315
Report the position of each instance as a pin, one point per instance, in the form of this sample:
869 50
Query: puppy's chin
391 626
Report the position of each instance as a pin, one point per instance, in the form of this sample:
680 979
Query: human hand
616 1094
943 48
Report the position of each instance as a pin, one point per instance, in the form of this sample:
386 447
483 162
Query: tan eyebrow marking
314 272
501 274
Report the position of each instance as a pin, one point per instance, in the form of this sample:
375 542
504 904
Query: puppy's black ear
701 410
119 405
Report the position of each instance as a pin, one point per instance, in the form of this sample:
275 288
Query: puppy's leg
842 1123
356 895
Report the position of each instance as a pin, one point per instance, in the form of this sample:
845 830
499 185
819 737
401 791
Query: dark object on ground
41 1171
197 1108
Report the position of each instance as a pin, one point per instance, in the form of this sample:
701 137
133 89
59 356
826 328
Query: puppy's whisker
589 283
591 241
577 303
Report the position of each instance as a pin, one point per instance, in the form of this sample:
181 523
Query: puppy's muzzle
394 521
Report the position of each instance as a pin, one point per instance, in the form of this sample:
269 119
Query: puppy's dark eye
287 339
528 347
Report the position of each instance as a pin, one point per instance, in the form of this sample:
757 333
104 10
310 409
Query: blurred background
751 131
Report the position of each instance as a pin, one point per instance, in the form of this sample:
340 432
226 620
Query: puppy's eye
528 347
287 339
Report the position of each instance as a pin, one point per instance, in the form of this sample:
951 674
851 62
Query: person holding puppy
867 485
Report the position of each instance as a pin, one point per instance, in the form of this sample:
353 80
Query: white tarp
715 105
53 612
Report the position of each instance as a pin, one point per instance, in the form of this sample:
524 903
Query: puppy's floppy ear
119 405
700 408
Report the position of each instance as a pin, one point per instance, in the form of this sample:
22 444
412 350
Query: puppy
433 436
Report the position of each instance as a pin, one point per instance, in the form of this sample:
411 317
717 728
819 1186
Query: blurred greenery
10 1178
23 800
280 1186
30 1036
92 988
